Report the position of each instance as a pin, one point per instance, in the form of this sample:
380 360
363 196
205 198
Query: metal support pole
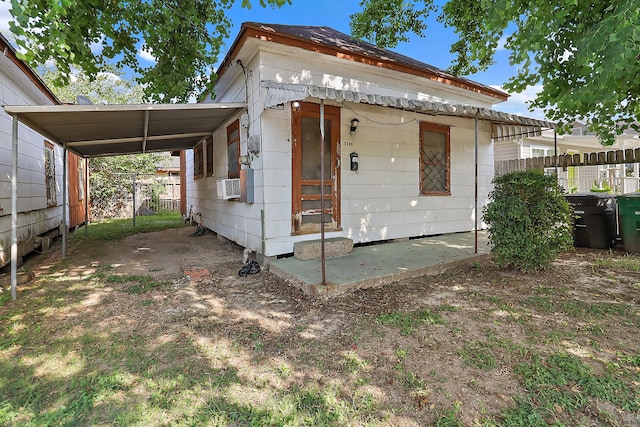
555 155
476 185
14 210
65 186
133 189
86 197
322 253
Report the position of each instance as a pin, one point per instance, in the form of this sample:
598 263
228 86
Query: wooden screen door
306 190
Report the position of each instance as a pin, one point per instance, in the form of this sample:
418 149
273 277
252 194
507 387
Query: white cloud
96 47
5 17
502 41
517 103
147 55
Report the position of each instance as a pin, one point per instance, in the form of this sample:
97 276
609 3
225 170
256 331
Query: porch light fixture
354 126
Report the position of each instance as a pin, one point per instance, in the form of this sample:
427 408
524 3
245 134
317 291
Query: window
233 149
198 171
434 160
209 148
541 151
81 163
50 173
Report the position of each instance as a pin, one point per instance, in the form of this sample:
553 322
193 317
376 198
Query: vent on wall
229 188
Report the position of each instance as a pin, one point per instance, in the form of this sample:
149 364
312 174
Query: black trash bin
594 224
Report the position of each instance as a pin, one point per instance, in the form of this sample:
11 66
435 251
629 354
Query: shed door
306 189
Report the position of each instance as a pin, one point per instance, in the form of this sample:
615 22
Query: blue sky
432 49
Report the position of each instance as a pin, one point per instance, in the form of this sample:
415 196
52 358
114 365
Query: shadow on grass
84 346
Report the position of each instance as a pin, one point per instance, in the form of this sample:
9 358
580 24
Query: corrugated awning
103 130
505 126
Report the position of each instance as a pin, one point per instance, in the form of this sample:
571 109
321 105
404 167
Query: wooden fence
566 160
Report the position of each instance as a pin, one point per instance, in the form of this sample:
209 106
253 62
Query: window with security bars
434 160
50 174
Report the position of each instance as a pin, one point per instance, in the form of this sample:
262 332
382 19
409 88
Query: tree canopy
183 36
585 54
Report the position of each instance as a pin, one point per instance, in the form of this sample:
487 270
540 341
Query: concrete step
310 249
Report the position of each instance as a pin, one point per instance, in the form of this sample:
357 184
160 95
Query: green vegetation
184 38
93 347
407 322
580 54
115 229
529 220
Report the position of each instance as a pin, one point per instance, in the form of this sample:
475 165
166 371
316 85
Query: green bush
530 221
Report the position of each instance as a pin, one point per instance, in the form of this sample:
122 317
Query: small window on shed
233 149
209 148
50 173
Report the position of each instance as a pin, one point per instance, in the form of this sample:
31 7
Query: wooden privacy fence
615 157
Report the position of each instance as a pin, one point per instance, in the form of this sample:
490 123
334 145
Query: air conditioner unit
229 188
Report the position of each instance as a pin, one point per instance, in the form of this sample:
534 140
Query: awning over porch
505 126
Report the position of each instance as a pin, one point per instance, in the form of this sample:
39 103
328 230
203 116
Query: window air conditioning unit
229 188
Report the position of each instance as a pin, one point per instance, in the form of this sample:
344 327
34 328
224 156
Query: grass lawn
475 346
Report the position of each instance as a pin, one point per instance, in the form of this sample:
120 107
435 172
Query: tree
586 54
184 37
110 178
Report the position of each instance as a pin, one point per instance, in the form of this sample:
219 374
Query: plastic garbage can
629 220
594 224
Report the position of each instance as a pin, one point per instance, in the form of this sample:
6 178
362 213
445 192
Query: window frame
235 126
433 127
51 192
198 161
209 159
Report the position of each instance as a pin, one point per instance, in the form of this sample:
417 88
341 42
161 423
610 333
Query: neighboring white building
414 145
620 179
39 163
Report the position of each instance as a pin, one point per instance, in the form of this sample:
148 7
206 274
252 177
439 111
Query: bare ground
260 326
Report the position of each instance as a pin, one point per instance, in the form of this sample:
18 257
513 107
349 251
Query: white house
423 140
40 163
620 178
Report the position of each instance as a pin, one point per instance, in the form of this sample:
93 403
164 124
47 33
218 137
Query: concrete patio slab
380 264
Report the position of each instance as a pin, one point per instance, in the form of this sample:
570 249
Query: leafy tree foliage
184 36
529 220
110 178
106 87
585 54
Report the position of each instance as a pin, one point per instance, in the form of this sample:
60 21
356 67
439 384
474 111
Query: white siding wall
34 216
382 201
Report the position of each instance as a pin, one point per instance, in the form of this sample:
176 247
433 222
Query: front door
306 179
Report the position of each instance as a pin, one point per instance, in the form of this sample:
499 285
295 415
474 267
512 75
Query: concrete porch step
310 249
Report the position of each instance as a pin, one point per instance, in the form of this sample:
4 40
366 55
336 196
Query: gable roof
9 51
331 42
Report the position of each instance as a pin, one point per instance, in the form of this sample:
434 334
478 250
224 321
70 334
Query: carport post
86 196
14 209
64 199
133 189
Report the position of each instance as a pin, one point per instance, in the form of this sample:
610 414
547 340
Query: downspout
14 210
322 253
476 184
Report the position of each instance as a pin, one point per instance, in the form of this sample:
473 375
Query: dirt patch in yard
464 347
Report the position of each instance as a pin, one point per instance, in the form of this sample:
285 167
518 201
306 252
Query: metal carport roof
103 130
